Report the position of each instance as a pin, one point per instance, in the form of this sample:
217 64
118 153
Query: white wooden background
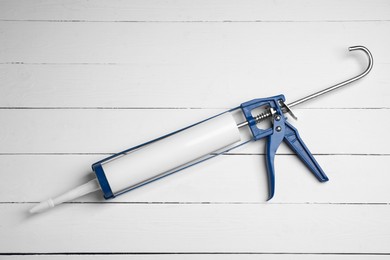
80 80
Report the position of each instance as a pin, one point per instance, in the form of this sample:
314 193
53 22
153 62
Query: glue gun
194 144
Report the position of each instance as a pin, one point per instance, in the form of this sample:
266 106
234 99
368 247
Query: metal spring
260 117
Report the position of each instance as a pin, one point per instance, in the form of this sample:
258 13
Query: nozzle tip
42 206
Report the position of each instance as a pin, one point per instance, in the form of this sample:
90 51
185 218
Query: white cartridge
127 171
155 159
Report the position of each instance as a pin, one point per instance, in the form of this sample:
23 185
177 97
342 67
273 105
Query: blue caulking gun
176 151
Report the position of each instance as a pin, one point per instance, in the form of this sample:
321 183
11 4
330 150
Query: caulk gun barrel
157 159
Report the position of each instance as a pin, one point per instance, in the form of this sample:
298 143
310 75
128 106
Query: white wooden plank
335 131
109 63
189 64
226 179
173 10
201 256
197 228
194 85
214 45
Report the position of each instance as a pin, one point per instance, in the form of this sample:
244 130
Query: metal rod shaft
329 89
341 84
245 123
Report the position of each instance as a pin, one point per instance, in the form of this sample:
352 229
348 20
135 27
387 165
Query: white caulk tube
127 171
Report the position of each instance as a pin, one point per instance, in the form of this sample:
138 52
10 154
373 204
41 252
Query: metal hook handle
341 84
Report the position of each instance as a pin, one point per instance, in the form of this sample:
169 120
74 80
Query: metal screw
277 118
278 129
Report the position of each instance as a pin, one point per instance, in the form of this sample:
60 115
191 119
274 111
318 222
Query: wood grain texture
226 179
83 79
198 228
223 256
188 64
193 44
325 131
145 86
184 11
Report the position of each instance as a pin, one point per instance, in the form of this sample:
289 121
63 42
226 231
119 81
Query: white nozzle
79 191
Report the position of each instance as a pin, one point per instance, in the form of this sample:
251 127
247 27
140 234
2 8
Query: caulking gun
186 147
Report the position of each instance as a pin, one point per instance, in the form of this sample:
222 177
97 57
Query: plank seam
208 203
195 21
225 154
92 63
189 253
177 108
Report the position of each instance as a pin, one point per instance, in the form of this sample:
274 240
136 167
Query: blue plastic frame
280 131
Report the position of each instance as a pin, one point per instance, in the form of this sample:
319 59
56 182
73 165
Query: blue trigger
280 131
295 142
273 142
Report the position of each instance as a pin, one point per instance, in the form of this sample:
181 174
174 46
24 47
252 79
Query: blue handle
272 145
280 131
295 142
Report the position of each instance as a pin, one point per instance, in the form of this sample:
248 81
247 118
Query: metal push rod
286 107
